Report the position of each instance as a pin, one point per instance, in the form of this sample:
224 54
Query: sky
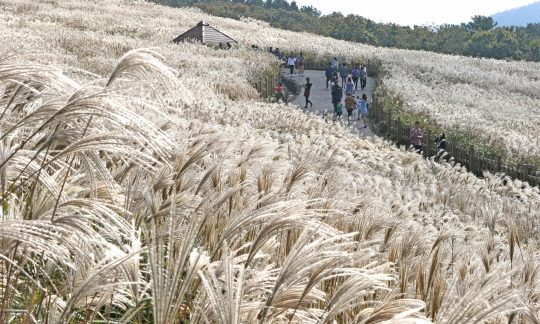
416 12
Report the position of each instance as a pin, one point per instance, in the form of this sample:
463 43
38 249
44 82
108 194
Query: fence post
375 111
266 88
428 144
525 173
380 109
499 166
398 130
453 147
471 158
389 127
373 108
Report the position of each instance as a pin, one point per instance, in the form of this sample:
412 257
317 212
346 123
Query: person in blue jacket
363 109
336 95
329 73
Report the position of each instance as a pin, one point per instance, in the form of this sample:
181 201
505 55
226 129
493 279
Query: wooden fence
463 155
265 86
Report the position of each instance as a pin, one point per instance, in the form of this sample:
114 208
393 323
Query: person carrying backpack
349 86
329 73
355 75
349 105
336 96
279 91
343 73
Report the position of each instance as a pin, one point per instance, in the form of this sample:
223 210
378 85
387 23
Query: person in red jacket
279 91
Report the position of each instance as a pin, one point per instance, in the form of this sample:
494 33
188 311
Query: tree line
478 38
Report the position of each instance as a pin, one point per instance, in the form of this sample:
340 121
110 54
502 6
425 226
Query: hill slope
520 16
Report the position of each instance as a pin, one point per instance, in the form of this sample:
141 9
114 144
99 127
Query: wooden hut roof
206 34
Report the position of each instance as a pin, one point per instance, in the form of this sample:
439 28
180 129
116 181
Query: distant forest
478 38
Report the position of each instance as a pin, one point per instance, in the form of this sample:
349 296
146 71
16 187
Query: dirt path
322 99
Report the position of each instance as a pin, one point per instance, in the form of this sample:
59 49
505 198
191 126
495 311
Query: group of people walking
349 85
359 73
345 91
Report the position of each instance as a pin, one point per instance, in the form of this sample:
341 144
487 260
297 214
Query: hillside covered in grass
146 182
518 38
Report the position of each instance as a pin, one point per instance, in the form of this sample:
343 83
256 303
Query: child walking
279 91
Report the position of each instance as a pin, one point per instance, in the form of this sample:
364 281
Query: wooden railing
265 86
465 156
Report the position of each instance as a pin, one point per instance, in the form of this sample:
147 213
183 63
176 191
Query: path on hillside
322 99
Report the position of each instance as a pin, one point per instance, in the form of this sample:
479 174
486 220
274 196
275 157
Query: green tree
499 43
451 39
533 30
311 10
255 3
533 51
480 23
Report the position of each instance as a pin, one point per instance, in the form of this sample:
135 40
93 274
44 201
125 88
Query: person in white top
290 62
335 64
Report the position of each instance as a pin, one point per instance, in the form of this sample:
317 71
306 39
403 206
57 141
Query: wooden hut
206 34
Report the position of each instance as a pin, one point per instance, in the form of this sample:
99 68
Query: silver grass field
145 182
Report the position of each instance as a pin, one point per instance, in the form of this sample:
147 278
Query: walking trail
322 99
